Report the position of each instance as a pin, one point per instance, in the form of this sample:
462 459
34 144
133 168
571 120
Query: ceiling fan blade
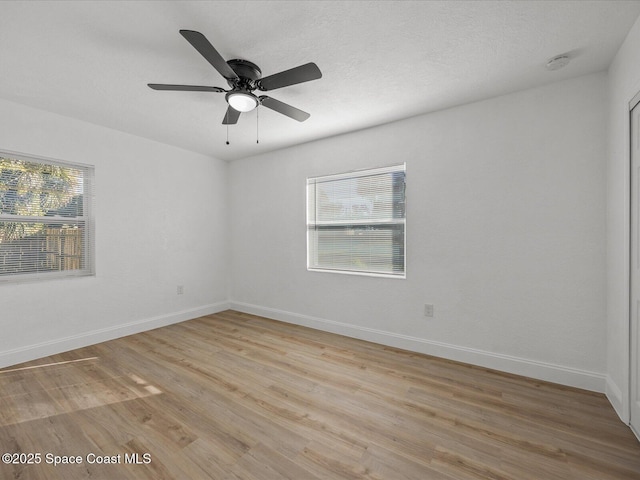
283 108
185 88
202 45
303 73
231 117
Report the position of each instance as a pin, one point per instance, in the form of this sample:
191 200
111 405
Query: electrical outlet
180 290
428 310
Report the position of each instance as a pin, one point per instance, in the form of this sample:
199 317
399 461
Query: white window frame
87 219
311 223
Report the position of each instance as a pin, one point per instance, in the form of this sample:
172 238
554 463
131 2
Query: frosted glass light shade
242 102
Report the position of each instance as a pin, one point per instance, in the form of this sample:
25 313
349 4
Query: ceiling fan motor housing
248 73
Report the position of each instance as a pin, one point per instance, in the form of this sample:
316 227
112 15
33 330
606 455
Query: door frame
634 324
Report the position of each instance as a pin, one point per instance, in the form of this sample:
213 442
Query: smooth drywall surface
505 234
160 215
623 85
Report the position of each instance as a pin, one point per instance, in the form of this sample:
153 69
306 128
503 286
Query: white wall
624 84
505 234
160 221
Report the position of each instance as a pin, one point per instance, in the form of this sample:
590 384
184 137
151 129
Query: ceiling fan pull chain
257 131
227 122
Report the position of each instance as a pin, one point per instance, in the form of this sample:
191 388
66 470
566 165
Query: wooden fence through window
52 249
63 247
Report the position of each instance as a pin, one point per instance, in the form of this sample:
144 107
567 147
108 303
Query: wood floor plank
233 396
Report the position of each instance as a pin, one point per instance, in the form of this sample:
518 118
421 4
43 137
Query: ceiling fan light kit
242 101
244 78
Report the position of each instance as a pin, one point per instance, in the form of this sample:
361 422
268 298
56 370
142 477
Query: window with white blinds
356 222
46 228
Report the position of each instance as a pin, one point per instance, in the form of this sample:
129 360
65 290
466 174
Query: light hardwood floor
234 396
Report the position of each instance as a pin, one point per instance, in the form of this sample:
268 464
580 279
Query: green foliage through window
44 226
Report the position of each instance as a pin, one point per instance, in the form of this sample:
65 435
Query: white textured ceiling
381 61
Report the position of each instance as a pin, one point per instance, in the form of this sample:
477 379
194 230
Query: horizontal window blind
356 222
46 227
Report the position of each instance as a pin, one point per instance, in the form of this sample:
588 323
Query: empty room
264 240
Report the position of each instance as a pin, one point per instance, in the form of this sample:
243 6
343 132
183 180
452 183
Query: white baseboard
59 345
520 366
616 399
506 363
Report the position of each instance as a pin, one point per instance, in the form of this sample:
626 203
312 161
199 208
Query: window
356 222
45 218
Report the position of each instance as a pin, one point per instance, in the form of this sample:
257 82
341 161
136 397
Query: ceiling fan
244 78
